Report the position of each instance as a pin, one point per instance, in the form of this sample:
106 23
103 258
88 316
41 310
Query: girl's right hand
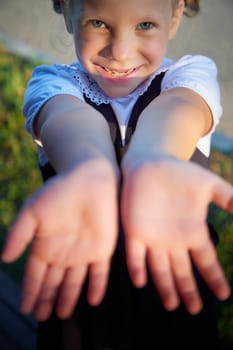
71 226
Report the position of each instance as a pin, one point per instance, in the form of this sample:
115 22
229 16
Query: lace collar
91 89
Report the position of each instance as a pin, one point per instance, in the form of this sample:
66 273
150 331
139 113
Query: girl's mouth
116 73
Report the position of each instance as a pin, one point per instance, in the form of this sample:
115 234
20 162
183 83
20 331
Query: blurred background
31 33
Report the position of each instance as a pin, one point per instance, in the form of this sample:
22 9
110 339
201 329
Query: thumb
223 194
19 236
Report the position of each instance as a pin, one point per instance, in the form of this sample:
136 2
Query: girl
117 131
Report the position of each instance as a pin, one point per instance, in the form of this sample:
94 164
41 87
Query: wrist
94 167
134 160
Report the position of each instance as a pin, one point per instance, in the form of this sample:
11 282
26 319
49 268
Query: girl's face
120 43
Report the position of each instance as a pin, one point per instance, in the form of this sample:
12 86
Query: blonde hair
192 7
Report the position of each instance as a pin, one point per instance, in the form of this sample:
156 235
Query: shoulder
65 72
198 73
187 63
46 82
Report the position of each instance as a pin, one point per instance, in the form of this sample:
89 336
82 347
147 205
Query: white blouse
195 72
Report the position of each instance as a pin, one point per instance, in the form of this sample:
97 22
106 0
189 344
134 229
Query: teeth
118 74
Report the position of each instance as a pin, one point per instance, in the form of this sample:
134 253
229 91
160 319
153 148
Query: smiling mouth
116 73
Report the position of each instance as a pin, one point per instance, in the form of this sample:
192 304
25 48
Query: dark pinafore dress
131 318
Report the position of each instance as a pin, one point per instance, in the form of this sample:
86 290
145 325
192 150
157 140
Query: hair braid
192 7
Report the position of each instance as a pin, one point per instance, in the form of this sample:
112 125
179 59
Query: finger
206 260
19 236
48 294
70 291
185 282
35 270
161 274
223 194
136 262
97 284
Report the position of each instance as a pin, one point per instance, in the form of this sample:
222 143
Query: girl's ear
67 15
176 19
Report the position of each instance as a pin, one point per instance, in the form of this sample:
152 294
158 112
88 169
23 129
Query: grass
20 176
223 222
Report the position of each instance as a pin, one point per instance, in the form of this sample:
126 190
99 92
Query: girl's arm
71 222
165 201
172 124
73 132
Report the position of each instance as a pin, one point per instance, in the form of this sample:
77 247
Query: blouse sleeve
45 83
198 73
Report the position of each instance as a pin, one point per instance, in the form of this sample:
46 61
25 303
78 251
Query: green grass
19 175
223 222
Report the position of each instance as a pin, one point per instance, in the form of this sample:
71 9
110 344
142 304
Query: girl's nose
121 47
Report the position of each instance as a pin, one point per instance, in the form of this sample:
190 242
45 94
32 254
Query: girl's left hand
164 210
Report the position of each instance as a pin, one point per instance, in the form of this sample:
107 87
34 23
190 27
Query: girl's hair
192 7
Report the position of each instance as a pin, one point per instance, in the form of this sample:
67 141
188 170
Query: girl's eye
145 25
97 23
